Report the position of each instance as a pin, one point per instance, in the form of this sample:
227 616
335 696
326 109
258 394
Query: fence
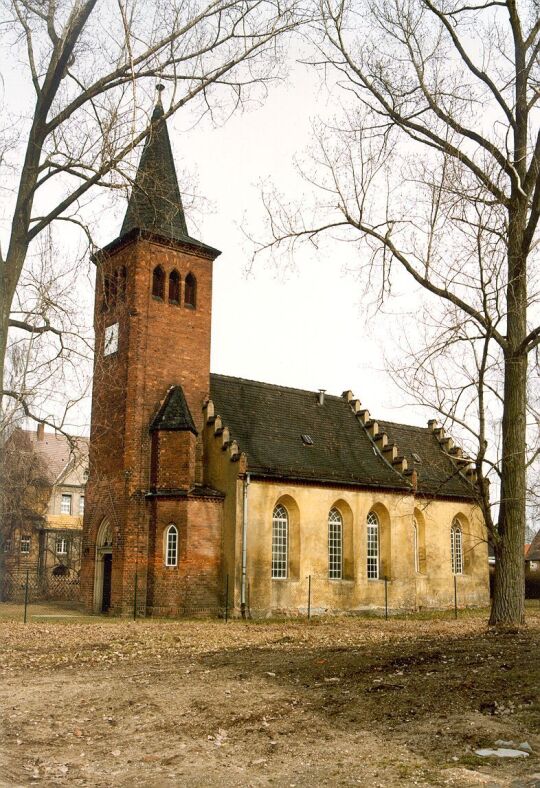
40 588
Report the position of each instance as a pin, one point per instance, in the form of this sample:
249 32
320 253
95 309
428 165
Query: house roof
533 553
155 204
174 413
63 459
269 423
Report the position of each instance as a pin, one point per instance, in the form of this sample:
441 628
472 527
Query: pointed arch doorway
103 571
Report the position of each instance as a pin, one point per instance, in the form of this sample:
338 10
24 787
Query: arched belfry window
280 542
174 287
335 545
171 545
456 547
190 291
122 280
158 282
372 546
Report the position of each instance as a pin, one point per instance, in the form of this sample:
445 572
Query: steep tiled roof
174 414
59 454
437 473
269 421
155 204
533 553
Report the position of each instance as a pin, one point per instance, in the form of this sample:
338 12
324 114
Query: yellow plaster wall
407 589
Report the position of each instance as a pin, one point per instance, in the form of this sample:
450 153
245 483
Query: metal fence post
386 597
455 596
309 598
227 599
26 596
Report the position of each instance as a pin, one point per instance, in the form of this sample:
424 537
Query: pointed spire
155 203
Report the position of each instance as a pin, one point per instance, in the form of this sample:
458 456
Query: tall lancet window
158 282
190 292
174 287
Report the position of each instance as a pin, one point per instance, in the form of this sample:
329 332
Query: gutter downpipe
244 548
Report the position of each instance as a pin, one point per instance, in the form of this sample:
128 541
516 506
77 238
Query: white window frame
25 545
280 543
62 543
171 545
81 504
373 547
335 544
66 498
456 547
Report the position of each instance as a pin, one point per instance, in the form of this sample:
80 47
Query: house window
415 546
456 548
25 545
158 282
61 545
65 505
335 545
81 504
171 546
190 293
280 528
372 546
174 287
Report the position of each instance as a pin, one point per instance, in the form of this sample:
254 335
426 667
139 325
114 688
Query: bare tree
440 134
88 65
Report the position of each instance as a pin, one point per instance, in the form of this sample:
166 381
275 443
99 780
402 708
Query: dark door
107 577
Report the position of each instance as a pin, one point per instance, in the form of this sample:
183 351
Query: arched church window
174 287
158 282
190 293
107 293
280 539
372 546
171 545
456 547
415 546
335 544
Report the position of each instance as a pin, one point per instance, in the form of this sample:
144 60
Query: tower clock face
110 345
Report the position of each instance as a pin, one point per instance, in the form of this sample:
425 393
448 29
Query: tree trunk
508 607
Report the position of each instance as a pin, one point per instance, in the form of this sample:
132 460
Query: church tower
152 532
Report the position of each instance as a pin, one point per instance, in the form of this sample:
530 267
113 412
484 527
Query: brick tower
152 532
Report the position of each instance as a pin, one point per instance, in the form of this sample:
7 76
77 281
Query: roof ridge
263 384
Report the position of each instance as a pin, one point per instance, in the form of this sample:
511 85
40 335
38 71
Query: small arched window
171 546
456 547
158 282
122 279
335 545
280 542
372 546
190 292
174 287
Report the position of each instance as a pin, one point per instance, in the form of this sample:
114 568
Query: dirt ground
341 701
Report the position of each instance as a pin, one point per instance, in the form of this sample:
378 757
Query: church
208 492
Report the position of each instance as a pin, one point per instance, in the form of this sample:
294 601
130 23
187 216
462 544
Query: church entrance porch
103 571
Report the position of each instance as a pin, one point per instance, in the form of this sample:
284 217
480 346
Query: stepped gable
437 473
268 423
174 414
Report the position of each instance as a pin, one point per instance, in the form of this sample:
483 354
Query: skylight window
307 440
416 457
